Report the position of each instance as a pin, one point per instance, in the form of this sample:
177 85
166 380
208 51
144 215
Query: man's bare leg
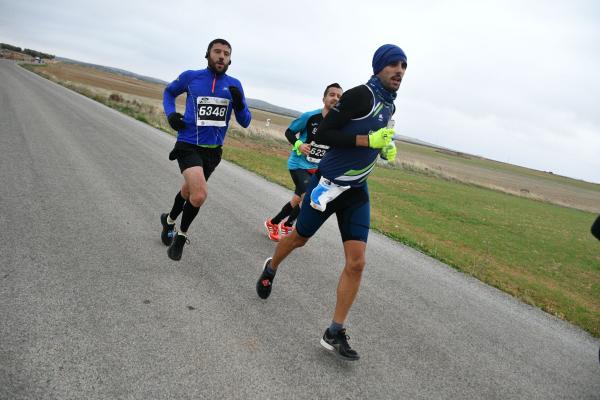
349 282
285 247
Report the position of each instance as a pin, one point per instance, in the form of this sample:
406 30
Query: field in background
437 201
137 94
504 177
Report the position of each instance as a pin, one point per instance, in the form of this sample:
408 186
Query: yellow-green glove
381 138
297 145
389 152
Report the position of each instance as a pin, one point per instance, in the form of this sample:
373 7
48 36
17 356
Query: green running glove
381 138
389 152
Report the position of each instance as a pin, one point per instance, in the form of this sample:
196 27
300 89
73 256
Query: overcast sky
515 81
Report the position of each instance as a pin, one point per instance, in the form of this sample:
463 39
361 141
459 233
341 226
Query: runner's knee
299 241
197 198
355 265
185 191
295 200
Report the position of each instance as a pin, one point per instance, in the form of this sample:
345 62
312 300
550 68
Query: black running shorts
352 209
189 155
301 178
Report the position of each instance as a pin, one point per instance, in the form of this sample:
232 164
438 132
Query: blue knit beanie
386 55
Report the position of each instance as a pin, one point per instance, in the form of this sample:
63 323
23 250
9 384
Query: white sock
169 220
182 233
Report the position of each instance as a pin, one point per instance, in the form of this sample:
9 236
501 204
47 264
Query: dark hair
335 85
215 41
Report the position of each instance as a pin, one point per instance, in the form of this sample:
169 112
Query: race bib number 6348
211 111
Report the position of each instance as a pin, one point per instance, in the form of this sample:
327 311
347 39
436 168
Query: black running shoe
339 344
176 248
265 282
168 231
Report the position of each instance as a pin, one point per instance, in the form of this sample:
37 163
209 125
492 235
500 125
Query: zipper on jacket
213 92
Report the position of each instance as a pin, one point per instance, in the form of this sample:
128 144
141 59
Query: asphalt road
92 308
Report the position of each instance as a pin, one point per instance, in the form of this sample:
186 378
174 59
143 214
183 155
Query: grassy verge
538 252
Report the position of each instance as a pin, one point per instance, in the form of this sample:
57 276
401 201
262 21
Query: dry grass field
129 88
104 80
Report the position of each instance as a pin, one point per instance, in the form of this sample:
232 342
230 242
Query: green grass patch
271 163
539 252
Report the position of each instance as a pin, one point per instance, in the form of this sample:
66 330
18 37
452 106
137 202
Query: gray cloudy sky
514 81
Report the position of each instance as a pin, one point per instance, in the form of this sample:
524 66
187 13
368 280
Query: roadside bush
116 97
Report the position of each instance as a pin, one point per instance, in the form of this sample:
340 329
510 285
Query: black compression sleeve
355 103
596 228
290 136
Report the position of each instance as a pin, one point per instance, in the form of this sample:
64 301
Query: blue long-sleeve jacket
208 106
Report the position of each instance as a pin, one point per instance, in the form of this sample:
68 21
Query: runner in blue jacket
212 96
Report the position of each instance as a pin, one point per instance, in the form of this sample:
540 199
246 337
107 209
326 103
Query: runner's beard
213 65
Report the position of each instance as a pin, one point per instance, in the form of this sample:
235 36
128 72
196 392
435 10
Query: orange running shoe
285 230
272 230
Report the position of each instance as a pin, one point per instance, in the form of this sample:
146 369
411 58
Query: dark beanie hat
386 55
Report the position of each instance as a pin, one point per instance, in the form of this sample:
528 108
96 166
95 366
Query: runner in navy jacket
356 130
212 96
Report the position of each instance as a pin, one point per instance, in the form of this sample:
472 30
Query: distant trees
32 53
10 47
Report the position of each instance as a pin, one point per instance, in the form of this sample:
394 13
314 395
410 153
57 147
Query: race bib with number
325 192
317 151
212 111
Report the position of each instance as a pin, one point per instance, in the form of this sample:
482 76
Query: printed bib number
317 151
325 192
212 111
